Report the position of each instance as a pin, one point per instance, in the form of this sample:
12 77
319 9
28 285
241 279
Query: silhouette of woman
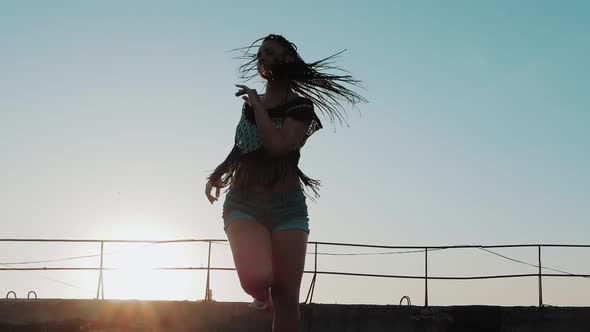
265 211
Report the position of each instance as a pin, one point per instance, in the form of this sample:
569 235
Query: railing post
100 277
207 292
309 296
426 276
540 280
315 270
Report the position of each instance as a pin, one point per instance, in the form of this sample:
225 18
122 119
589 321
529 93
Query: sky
113 113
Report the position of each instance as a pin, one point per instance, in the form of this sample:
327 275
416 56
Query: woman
265 211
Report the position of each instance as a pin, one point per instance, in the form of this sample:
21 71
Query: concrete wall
93 315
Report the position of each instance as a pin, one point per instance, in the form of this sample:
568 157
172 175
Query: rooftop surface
128 315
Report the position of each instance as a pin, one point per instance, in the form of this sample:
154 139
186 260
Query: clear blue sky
112 113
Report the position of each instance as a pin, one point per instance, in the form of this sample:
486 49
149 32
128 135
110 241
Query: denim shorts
276 211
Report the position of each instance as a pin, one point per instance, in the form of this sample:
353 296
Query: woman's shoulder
297 102
294 102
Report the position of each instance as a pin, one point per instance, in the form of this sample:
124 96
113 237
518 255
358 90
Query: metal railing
309 298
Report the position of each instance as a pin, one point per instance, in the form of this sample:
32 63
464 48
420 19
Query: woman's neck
276 92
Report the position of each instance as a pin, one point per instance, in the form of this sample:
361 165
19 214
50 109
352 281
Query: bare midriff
290 183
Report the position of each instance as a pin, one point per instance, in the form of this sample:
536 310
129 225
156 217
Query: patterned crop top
250 164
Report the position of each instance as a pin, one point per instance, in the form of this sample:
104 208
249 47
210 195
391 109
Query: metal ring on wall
407 299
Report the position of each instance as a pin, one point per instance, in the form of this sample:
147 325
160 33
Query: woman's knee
255 282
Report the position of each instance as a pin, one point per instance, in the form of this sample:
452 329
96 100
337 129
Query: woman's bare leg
288 257
252 252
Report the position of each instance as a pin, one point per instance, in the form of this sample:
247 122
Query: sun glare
135 276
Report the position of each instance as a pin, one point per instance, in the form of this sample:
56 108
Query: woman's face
271 52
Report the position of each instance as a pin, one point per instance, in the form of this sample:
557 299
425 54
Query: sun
135 276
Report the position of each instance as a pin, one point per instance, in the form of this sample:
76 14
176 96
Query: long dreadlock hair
326 90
